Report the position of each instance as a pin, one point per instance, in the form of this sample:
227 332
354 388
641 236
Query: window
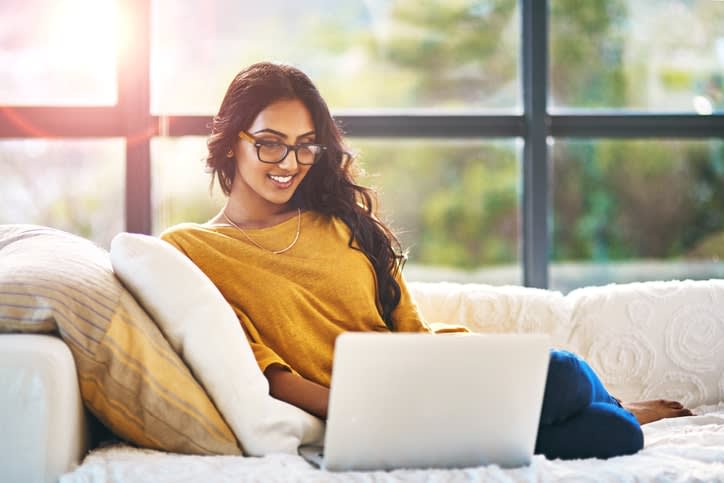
73 185
634 210
509 138
378 55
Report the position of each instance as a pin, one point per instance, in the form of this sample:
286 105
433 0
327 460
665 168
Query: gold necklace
275 252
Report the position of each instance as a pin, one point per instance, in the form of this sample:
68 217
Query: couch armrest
654 339
42 421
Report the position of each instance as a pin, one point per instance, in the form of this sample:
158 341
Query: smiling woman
58 52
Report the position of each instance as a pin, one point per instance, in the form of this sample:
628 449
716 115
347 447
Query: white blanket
680 450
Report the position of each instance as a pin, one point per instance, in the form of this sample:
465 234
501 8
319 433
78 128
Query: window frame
132 120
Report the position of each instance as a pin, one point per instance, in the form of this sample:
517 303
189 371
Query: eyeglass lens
275 152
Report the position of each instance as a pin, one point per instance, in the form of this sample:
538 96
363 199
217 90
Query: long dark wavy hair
329 187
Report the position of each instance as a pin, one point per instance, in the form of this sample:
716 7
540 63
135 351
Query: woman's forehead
288 116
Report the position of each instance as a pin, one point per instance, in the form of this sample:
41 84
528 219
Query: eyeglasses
274 152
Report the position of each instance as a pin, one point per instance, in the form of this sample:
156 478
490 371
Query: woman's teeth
281 179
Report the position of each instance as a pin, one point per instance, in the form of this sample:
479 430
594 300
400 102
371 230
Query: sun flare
84 33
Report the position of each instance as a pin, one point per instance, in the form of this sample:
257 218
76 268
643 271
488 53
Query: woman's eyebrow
310 133
281 134
272 131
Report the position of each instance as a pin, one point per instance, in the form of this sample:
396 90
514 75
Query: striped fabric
130 377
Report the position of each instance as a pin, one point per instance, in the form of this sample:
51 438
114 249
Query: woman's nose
290 161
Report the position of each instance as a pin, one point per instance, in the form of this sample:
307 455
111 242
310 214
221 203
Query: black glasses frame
288 148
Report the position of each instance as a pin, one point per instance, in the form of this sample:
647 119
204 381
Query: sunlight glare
84 33
703 106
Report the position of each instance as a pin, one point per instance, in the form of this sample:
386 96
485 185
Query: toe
678 413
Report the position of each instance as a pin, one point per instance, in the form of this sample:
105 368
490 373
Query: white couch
646 340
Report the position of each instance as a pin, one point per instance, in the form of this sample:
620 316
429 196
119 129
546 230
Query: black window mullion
52 122
134 104
535 153
432 126
636 125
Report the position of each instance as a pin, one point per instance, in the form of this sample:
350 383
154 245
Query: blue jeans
579 418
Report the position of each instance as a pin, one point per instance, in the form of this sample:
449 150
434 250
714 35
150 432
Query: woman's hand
298 391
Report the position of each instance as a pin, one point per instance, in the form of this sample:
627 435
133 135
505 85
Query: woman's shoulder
320 220
188 228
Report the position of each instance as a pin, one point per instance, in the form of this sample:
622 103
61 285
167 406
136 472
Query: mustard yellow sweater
293 305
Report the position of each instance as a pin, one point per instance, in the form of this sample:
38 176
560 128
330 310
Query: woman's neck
242 215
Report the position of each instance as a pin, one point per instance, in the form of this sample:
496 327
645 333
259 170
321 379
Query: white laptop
424 401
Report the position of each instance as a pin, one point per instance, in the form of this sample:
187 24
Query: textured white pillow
496 309
204 330
654 339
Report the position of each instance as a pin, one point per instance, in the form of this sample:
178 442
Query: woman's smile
282 182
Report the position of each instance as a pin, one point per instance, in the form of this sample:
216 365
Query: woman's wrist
298 391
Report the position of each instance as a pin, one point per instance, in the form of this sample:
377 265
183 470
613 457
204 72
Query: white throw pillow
204 330
654 340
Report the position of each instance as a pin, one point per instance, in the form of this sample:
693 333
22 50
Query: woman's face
272 185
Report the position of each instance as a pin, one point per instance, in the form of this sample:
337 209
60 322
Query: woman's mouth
282 182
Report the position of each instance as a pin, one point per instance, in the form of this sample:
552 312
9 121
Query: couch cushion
129 375
204 329
492 309
655 339
26 290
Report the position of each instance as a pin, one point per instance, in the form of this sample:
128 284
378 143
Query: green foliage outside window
452 203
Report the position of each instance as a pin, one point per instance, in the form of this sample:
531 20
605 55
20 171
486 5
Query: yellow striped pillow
129 375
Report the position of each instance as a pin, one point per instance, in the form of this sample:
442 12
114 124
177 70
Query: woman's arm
298 391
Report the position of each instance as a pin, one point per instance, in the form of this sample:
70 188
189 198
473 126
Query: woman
299 254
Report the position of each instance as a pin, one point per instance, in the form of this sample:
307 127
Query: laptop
407 400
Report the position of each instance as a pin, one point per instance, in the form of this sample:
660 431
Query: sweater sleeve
168 237
264 355
407 316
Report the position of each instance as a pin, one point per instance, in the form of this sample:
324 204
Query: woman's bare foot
650 411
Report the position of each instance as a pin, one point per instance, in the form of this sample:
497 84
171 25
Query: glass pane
379 54
454 204
633 210
72 185
58 52
179 183
649 55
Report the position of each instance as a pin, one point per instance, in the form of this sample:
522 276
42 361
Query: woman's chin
280 199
